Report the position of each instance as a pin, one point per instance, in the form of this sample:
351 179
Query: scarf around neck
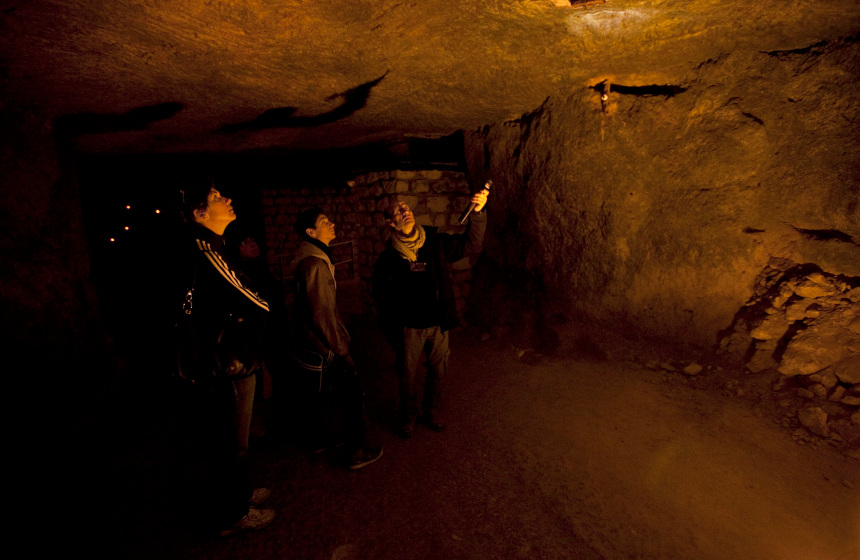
408 245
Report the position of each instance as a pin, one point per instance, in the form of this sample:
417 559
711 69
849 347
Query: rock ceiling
230 75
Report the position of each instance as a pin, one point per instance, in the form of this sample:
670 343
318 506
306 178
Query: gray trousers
417 343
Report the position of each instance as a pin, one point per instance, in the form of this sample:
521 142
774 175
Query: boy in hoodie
317 328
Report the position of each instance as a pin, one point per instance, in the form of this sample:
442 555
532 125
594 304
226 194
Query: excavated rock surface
654 209
227 75
802 331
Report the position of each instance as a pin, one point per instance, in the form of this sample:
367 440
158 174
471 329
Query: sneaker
320 449
433 423
364 457
255 520
259 496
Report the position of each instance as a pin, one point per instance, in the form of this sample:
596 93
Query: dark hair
194 195
389 215
308 220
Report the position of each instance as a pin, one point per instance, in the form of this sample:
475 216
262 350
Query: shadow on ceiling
665 90
78 124
282 117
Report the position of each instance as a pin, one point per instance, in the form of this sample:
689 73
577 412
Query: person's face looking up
323 230
401 219
218 212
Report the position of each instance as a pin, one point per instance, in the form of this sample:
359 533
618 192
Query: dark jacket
316 323
227 316
391 285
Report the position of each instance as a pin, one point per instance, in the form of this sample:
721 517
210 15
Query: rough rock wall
654 207
801 328
49 315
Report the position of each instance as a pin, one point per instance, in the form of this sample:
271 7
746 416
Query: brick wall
436 197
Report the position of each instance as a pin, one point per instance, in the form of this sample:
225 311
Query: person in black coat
223 355
414 291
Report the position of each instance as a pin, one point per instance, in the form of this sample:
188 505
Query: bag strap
188 304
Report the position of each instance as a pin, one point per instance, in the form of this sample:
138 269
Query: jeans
416 343
347 394
233 406
331 409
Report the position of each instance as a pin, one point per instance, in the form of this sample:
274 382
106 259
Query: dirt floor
586 455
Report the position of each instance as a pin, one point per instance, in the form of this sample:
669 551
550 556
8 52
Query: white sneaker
255 520
364 457
259 496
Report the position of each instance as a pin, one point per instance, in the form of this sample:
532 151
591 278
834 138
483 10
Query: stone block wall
436 197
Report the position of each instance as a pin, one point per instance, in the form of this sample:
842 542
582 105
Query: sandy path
643 469
560 460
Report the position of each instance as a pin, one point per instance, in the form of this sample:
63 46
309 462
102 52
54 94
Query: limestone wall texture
719 215
50 317
655 209
436 196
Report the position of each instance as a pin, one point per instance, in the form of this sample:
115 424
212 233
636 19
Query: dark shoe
433 423
259 496
364 457
255 520
319 449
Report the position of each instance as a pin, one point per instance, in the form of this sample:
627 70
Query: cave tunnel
657 350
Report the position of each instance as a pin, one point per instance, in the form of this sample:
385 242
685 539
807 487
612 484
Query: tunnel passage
802 327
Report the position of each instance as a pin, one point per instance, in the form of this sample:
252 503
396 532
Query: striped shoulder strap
229 274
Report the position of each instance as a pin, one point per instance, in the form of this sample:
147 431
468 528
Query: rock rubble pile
805 324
